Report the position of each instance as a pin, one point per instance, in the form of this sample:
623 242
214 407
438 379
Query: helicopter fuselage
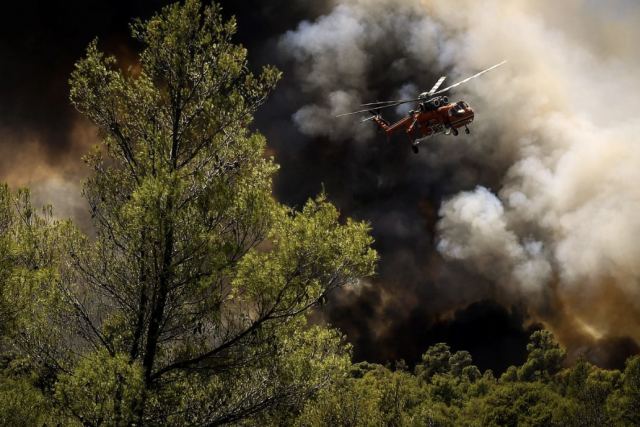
432 117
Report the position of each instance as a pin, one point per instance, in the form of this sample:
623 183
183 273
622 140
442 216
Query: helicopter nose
470 114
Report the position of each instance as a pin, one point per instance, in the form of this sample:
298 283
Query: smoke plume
531 219
538 208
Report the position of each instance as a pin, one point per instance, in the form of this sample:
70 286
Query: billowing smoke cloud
474 227
539 207
568 206
339 55
530 219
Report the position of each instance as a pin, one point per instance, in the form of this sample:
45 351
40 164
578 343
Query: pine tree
188 305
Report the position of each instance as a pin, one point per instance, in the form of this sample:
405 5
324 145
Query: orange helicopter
434 113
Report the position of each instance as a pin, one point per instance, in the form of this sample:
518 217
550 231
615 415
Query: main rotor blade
468 78
436 86
375 108
367 119
389 102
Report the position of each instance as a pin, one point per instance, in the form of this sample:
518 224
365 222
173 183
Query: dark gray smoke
530 219
536 209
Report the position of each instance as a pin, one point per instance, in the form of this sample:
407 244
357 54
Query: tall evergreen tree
188 306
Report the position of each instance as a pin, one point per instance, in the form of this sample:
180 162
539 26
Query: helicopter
433 115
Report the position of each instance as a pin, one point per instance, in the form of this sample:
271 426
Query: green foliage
187 304
545 357
29 293
434 361
375 396
28 255
460 362
587 389
448 390
624 403
103 389
515 404
22 404
6 258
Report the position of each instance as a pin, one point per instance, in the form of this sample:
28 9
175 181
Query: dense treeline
187 304
446 389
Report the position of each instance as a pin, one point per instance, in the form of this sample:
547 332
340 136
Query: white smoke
336 54
474 228
566 218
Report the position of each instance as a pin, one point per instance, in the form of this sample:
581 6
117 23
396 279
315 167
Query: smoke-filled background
530 221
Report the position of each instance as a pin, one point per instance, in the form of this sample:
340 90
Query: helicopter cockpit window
458 110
